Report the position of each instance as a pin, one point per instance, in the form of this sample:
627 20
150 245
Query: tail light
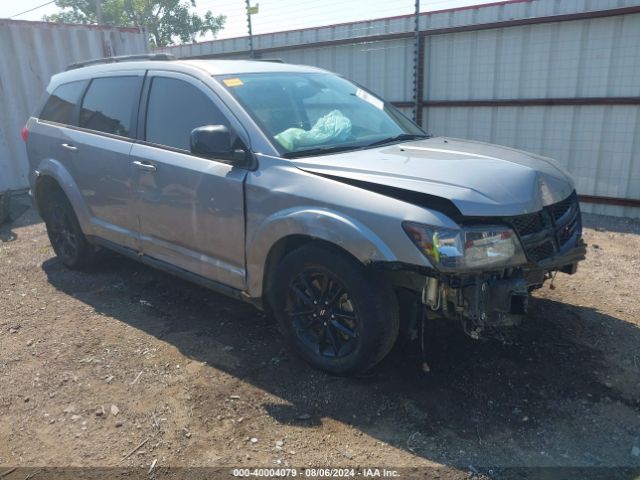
24 133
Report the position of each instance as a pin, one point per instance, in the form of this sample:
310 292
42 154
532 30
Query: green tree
165 20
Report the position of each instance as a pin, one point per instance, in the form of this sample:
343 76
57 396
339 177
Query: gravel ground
94 364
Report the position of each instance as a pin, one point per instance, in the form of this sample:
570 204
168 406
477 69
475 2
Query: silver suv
301 192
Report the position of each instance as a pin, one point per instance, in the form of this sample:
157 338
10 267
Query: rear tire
65 234
338 315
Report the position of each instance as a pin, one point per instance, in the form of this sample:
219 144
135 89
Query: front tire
338 315
65 234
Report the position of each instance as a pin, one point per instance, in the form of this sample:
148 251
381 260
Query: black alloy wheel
63 239
338 315
65 234
322 314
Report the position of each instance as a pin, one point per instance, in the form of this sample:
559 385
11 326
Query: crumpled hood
481 179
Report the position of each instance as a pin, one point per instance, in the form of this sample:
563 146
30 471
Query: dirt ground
94 364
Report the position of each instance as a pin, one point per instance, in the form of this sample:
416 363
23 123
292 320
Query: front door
191 209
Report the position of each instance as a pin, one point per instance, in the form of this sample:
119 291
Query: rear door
99 154
50 139
191 209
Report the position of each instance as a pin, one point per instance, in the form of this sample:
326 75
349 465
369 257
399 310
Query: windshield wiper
399 138
341 148
320 151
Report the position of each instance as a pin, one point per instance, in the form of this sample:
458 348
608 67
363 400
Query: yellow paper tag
232 82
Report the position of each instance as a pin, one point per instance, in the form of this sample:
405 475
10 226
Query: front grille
551 231
527 224
565 233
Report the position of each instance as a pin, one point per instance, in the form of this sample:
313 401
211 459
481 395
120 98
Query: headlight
468 247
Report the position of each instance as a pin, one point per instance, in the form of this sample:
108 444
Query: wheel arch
286 231
52 175
288 244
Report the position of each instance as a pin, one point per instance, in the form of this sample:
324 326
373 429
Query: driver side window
175 108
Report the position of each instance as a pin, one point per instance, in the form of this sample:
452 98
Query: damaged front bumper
486 303
489 302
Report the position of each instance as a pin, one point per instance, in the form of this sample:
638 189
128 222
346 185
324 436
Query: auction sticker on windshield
233 82
367 97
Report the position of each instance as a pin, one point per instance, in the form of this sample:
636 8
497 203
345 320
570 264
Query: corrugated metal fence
30 52
559 78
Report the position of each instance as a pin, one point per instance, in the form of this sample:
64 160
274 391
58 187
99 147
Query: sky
274 15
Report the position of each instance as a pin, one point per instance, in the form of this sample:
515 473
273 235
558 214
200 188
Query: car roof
221 67
206 66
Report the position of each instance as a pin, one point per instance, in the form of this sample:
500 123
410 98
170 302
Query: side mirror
216 141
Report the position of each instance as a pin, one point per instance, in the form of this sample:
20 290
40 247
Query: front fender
317 223
54 170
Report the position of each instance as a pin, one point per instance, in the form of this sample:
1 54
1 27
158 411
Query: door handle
70 146
147 167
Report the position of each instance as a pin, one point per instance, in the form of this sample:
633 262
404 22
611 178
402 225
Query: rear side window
109 104
175 108
60 105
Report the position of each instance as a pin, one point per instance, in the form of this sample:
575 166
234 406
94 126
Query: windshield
314 113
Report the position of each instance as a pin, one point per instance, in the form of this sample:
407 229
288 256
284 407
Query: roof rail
273 60
122 58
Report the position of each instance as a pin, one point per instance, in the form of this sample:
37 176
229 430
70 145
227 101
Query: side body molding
317 223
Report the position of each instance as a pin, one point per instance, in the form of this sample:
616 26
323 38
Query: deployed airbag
333 126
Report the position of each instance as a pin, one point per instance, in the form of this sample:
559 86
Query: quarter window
109 103
175 109
60 105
